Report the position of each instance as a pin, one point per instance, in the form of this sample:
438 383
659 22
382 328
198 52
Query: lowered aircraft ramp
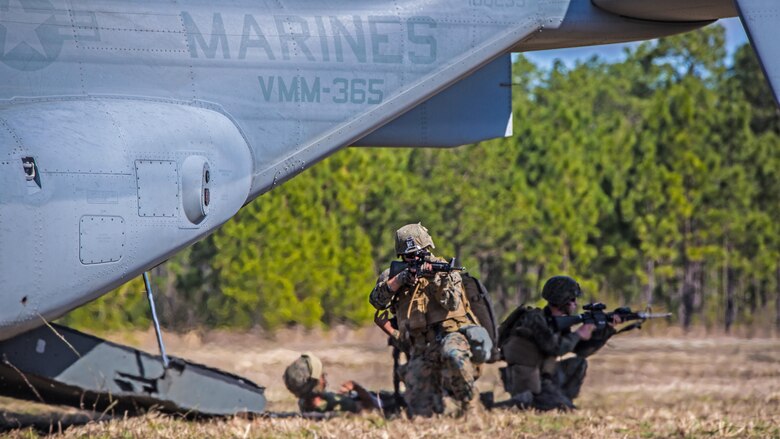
59 365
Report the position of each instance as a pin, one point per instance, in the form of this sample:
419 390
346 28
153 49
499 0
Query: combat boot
487 399
523 400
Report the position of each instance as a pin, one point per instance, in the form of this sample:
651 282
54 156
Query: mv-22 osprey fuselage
131 129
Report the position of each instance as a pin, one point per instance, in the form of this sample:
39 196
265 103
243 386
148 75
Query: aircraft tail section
761 18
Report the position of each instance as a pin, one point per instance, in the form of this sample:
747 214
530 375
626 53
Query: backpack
505 330
482 308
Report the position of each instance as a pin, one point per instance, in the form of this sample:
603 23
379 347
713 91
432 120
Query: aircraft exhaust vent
196 188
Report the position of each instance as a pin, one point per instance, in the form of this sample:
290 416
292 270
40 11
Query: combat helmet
303 375
411 238
559 290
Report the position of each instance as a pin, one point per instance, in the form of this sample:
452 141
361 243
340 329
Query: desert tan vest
418 309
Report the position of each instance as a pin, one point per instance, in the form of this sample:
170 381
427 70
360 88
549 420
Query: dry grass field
637 386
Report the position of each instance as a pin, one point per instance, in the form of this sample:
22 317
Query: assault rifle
416 266
594 313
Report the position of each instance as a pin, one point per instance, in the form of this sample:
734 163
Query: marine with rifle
426 295
532 339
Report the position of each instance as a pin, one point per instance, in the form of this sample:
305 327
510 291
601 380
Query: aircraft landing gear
157 330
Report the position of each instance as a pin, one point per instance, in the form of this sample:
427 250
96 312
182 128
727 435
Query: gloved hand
406 277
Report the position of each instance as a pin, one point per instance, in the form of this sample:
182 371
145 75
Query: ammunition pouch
518 379
417 311
412 307
518 350
549 366
436 313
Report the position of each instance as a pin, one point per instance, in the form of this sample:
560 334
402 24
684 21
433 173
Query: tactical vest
418 309
516 342
526 364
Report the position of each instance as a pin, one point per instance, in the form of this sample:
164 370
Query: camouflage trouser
457 371
422 376
560 389
436 368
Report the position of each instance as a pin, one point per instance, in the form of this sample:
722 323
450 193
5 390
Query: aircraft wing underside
760 18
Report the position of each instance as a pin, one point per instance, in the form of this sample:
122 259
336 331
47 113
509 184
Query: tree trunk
649 287
503 304
698 286
763 292
692 288
754 296
731 307
777 298
519 270
491 276
688 292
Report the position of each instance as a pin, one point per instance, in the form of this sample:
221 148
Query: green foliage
124 308
652 180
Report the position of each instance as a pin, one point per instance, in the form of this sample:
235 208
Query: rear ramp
59 365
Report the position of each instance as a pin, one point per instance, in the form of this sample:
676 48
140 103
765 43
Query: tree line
653 180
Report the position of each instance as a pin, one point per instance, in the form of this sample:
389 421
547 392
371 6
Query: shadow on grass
45 422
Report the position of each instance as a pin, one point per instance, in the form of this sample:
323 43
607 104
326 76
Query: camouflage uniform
325 402
531 347
430 312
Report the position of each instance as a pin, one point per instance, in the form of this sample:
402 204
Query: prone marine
306 379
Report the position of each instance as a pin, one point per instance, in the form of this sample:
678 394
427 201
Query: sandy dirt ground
637 386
